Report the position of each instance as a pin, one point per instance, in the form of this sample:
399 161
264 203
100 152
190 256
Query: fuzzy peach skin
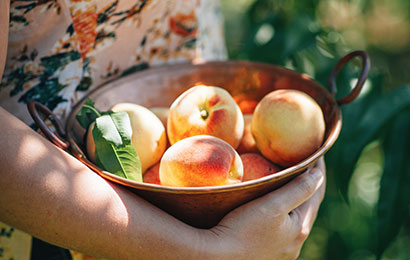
148 134
288 126
205 110
248 144
200 160
152 175
255 166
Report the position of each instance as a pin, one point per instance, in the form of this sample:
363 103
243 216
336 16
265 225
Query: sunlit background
366 211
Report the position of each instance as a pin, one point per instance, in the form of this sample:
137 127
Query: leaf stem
93 109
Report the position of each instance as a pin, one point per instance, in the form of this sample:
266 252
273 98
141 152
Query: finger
317 198
299 190
277 204
320 164
305 215
312 204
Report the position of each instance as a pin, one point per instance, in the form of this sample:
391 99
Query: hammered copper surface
205 206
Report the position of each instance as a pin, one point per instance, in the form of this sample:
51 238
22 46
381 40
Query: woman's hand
274 226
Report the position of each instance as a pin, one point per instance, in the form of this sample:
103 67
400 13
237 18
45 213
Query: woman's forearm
51 195
4 30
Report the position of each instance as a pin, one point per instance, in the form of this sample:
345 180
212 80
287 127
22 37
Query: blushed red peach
248 144
200 160
152 175
255 166
288 126
205 110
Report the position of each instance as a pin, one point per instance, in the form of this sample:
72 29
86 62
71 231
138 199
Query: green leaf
87 114
363 127
123 125
108 130
394 196
113 149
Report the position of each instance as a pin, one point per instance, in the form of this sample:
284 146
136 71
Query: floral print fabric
60 49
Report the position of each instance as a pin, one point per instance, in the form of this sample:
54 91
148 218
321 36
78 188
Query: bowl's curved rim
327 144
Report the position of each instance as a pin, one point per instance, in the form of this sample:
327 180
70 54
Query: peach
255 166
246 106
288 126
205 110
152 175
90 145
148 134
248 144
201 160
162 113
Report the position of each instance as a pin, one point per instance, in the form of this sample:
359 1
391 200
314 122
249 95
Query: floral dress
58 50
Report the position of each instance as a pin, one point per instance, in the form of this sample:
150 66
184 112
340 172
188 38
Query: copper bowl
204 207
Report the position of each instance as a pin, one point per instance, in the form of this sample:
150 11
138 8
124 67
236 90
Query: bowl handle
362 78
34 108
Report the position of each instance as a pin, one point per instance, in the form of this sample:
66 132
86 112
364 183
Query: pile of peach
204 139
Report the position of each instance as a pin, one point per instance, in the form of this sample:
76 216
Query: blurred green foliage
366 210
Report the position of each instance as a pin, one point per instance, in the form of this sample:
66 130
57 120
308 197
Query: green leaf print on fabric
190 43
58 61
18 19
70 30
26 7
19 76
84 84
101 35
31 4
48 88
86 80
46 92
6 232
107 13
134 10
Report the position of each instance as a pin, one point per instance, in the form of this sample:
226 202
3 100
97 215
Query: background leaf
310 37
365 124
394 200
